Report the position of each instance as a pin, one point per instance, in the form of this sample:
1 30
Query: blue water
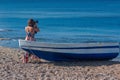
67 21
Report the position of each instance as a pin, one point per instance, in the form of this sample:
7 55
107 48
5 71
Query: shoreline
12 69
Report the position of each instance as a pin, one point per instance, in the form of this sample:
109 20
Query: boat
71 51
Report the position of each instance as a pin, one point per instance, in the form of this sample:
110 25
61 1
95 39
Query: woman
30 30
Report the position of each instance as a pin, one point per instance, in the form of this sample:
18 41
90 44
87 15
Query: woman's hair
31 22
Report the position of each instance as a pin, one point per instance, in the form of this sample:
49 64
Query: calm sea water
61 21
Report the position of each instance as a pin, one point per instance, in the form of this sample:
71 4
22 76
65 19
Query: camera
36 21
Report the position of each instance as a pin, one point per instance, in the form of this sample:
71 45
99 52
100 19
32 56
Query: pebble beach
11 68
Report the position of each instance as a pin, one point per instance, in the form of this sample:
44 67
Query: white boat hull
71 51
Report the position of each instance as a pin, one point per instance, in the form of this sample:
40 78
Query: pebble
11 69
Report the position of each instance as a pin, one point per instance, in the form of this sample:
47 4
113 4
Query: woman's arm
26 29
36 29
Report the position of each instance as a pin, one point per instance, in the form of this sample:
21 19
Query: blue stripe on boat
75 47
56 56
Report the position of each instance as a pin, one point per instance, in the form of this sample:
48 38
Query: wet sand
11 68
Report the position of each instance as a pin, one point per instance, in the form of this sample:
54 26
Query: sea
60 21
